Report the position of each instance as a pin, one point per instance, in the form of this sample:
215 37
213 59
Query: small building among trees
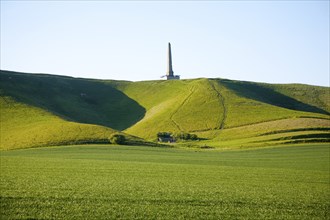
168 137
165 137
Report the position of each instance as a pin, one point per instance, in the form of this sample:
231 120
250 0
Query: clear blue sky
263 41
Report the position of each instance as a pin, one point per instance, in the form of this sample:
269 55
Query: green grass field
130 182
226 174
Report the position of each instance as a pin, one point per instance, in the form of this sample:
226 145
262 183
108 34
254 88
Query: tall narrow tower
169 61
170 73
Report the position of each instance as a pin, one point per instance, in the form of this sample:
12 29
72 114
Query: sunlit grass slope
185 105
210 106
43 110
260 114
249 103
25 126
80 100
225 112
284 131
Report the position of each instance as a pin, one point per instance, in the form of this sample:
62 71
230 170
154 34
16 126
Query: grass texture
213 106
125 182
42 110
23 125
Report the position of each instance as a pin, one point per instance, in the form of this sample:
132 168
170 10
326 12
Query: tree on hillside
186 136
117 139
169 137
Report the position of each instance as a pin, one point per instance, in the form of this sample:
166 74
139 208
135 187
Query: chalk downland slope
40 110
232 112
28 126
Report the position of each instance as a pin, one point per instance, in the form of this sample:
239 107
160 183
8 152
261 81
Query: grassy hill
42 110
39 109
214 107
27 126
80 100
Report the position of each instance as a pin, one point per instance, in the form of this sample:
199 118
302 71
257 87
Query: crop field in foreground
126 182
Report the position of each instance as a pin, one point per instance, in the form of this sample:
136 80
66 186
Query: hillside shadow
79 100
263 94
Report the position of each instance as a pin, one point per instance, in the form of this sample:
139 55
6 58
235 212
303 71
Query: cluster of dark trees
164 135
117 139
176 136
186 136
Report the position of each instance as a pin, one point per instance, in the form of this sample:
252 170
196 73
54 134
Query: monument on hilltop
170 73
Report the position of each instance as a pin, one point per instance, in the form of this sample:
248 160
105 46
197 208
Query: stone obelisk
169 62
170 73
